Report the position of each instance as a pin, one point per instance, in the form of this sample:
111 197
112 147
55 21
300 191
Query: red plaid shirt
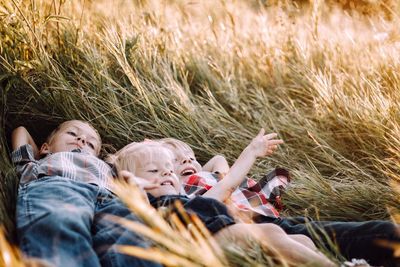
250 195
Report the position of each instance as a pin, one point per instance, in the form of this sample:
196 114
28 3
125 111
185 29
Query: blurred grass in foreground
212 73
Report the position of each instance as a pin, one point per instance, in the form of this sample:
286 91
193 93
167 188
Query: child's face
73 135
159 165
185 163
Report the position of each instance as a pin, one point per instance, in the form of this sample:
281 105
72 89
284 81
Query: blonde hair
176 144
130 156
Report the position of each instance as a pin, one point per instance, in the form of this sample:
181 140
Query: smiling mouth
167 183
188 171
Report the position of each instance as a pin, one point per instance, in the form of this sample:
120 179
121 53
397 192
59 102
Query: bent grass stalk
176 244
9 255
192 245
324 79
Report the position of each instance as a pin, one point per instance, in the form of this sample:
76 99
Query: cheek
154 192
198 166
141 174
178 184
181 180
176 165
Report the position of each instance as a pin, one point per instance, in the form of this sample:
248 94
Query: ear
44 149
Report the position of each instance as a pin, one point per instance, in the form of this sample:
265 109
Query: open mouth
167 183
188 171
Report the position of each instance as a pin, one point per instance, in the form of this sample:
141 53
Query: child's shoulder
23 153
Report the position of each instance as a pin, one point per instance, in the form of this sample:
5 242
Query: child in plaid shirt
353 239
63 197
248 198
153 163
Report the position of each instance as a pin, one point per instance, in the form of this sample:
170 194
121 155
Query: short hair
128 157
176 144
55 131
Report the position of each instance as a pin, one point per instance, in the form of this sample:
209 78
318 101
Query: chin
164 191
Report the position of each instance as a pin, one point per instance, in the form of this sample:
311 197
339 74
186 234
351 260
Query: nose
186 160
167 173
81 139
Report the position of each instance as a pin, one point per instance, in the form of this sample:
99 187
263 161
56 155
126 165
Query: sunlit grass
212 73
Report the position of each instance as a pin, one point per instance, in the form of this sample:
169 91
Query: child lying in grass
354 239
249 198
262 145
63 196
153 163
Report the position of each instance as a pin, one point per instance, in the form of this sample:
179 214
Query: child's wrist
249 152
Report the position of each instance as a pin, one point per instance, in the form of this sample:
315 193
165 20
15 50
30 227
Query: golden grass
212 73
9 255
182 246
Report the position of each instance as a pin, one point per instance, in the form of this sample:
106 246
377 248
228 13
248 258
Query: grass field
324 75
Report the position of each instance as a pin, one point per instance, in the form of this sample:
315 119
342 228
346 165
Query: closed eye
91 145
152 171
71 133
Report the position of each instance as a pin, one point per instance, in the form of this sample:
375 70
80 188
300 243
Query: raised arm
216 164
262 145
20 136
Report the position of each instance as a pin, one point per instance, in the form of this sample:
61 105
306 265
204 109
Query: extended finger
275 142
271 135
147 184
146 181
272 147
126 175
261 132
270 151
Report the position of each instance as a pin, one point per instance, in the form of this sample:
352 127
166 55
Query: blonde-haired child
256 199
248 197
153 162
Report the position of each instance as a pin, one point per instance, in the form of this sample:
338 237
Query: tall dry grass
212 73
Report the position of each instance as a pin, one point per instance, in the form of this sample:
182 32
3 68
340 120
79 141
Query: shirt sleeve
24 160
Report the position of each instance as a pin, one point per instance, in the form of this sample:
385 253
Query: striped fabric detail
75 165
